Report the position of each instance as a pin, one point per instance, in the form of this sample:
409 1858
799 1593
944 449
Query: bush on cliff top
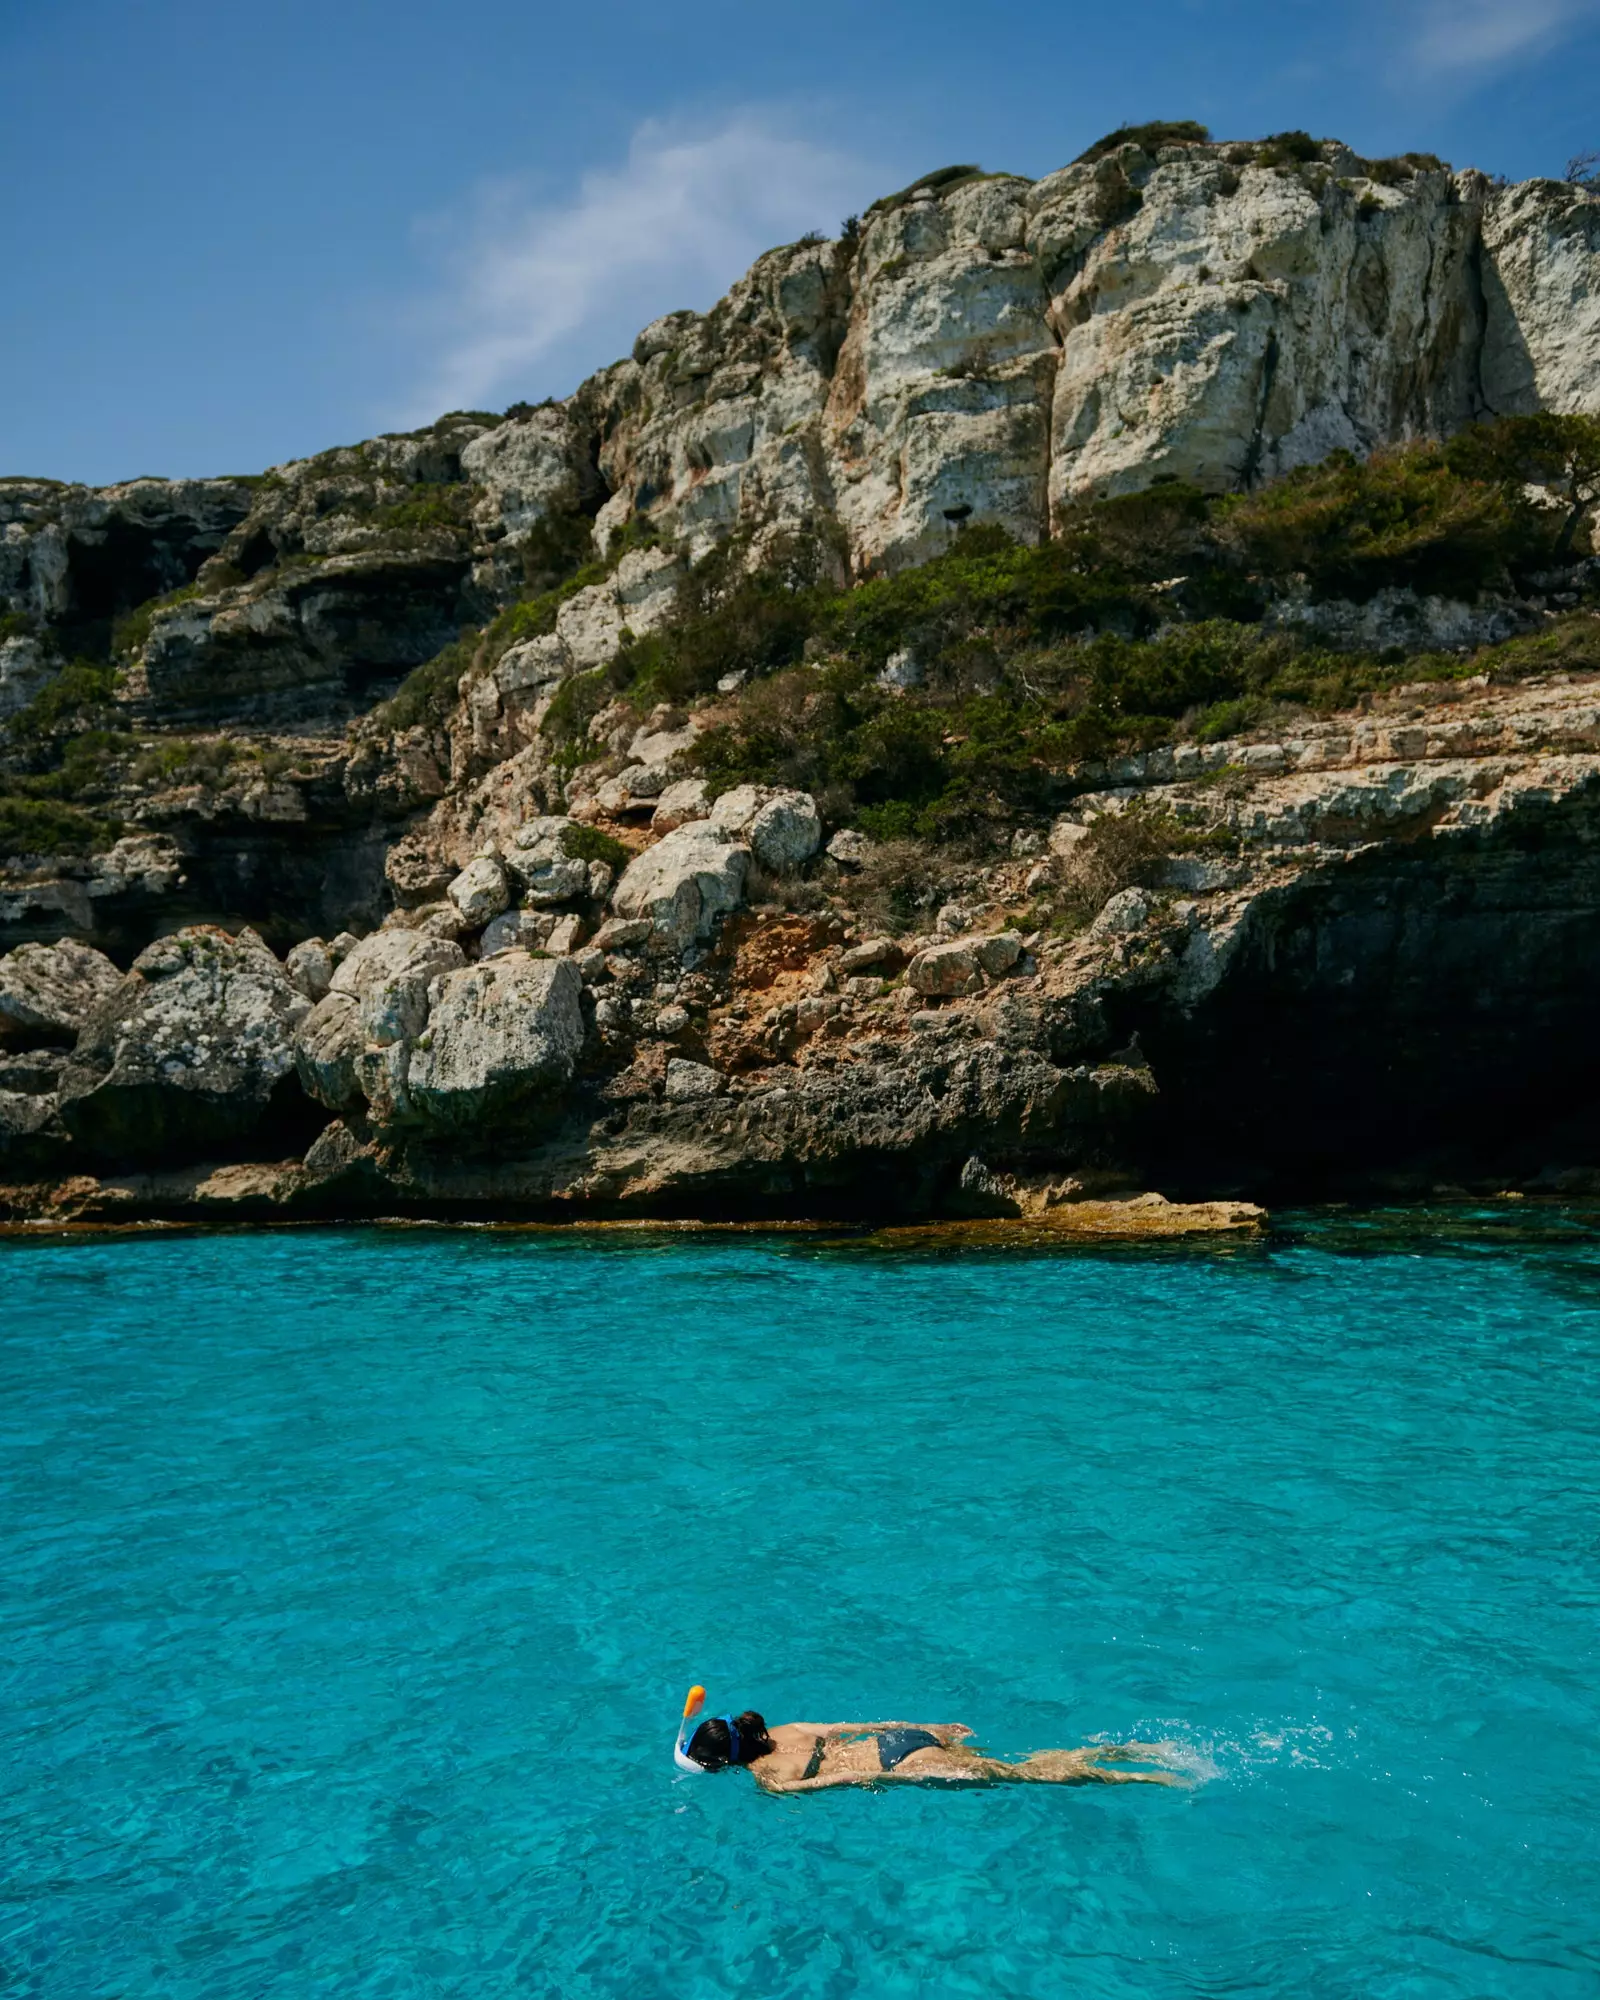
1151 137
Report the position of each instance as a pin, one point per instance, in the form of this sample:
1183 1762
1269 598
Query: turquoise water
351 1583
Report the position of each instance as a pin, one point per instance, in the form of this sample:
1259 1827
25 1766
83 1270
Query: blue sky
237 233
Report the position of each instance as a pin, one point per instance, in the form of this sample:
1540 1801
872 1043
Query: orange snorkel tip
694 1702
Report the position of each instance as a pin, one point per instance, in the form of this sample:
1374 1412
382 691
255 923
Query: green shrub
940 181
1151 137
431 511
429 692
1561 454
1288 149
588 843
1403 516
74 699
15 625
44 826
185 761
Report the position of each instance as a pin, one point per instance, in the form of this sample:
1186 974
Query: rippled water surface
350 1583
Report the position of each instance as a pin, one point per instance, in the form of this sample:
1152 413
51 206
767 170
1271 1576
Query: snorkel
693 1703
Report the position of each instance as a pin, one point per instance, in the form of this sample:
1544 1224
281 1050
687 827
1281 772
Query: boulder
998 952
378 999
540 862
193 1052
31 1132
623 933
879 954
679 804
517 930
498 1034
685 883
310 968
48 991
785 833
687 1081
1126 911
480 891
945 970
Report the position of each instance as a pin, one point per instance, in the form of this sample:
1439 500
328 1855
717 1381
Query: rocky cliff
1069 685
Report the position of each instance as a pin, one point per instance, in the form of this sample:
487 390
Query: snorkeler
812 1756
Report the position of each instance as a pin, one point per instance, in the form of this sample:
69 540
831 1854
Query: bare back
815 1756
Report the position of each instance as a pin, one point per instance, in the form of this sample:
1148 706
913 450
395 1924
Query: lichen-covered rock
944 970
32 1136
679 803
785 832
498 1035
192 1052
48 991
517 930
480 891
781 827
685 883
686 1081
309 965
377 1001
1126 911
538 858
998 952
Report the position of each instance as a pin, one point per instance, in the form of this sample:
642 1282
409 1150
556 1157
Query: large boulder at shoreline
685 883
192 1053
48 991
498 1034
354 1043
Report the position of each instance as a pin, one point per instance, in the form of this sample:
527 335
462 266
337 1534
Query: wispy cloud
532 283
1464 35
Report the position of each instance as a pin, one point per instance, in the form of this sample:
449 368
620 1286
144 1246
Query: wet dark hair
710 1744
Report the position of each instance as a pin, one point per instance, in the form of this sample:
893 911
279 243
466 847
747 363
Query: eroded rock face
48 991
990 352
1541 278
193 1052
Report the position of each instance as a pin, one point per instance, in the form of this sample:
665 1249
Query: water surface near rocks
351 1583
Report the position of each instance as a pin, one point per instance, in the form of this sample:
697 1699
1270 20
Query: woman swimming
812 1756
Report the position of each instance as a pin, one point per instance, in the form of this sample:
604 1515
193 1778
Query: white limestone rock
377 1001
498 1035
190 1052
685 883
1541 281
481 890
48 991
537 857
309 965
680 803
517 930
1126 911
785 832
528 467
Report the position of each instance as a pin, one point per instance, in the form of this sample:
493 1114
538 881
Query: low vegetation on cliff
972 687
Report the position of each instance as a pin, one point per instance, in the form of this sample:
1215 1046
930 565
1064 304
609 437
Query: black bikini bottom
896 1745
